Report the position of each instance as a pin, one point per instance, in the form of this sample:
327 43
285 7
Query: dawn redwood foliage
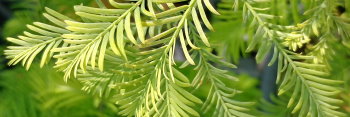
124 50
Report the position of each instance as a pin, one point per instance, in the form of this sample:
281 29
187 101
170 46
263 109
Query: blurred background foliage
41 92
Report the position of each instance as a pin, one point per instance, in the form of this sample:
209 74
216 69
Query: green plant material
27 11
16 24
248 85
42 93
233 45
277 107
125 53
312 93
229 36
340 64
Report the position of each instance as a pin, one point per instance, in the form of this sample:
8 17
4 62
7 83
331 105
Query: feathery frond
42 38
126 53
219 96
314 94
136 42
